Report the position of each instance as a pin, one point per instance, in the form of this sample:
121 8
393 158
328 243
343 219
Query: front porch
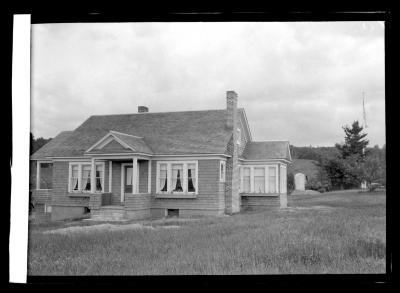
126 188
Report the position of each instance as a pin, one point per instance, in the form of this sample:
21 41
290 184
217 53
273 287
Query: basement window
172 213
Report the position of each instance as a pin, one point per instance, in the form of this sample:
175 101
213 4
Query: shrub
290 183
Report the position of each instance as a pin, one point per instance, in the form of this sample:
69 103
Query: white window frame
222 175
80 164
184 177
38 174
266 178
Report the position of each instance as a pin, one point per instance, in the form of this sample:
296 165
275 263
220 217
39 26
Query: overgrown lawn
327 233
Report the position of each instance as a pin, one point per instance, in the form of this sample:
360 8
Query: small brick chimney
143 109
231 107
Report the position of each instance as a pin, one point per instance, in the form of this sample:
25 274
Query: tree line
345 165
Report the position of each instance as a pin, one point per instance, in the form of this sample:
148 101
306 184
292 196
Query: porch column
110 176
134 175
149 177
93 177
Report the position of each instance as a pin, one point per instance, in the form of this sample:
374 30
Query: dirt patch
107 227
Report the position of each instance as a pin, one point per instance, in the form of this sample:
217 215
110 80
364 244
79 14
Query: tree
355 143
37 143
374 167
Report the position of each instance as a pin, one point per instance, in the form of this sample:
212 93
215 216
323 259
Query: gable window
246 179
80 177
177 177
239 136
222 171
259 180
44 175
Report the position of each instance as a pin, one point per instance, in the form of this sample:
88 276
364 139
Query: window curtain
165 185
163 177
259 180
191 180
177 182
75 183
99 178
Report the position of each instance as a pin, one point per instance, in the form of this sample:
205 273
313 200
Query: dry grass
327 233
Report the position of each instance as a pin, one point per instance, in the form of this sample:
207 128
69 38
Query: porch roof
265 150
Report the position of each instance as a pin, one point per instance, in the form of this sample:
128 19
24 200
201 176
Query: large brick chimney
231 107
232 197
143 109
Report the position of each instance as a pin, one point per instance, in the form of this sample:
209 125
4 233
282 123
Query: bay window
80 177
272 179
259 179
177 177
246 179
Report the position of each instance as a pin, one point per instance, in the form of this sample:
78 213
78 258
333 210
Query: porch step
108 213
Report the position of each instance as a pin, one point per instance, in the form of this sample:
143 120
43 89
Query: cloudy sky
297 81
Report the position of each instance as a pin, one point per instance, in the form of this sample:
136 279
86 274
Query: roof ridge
157 112
272 140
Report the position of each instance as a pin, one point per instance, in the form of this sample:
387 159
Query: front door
128 179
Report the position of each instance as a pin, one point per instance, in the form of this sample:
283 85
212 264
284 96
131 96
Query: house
141 165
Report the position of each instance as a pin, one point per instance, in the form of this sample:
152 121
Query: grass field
327 233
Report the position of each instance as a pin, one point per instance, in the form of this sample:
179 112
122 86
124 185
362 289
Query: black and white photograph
207 148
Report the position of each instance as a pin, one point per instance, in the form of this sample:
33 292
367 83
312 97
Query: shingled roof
264 150
175 133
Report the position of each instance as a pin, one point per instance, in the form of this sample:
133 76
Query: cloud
296 81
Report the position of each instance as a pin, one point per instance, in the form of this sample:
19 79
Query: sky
297 81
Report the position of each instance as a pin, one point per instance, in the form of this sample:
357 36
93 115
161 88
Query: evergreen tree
354 142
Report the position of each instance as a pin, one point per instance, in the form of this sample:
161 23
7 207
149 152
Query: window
99 177
74 177
222 171
80 177
177 177
272 179
44 179
259 180
191 178
246 179
163 181
239 136
86 177
177 170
